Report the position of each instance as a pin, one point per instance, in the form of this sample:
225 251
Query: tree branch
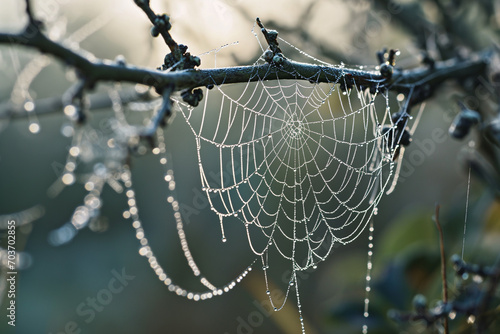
108 71
423 80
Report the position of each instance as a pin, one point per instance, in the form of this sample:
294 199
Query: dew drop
67 130
34 127
29 106
68 179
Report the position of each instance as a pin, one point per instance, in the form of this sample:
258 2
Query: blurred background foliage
406 253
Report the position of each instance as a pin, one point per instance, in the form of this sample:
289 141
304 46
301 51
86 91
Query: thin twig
32 21
159 118
443 265
29 12
144 5
75 96
271 37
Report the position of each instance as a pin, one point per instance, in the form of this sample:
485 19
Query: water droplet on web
100 169
34 127
29 106
224 239
67 130
68 179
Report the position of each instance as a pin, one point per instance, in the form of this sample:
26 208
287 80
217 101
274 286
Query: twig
29 12
75 96
160 116
271 37
160 23
443 265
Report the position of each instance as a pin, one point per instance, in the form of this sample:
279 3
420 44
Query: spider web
301 164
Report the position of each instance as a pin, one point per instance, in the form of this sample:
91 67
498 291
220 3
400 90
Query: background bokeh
406 253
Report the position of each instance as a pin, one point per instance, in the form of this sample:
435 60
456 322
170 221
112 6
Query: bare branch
402 80
159 119
423 81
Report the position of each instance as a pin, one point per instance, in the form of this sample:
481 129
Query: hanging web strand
302 165
369 266
146 250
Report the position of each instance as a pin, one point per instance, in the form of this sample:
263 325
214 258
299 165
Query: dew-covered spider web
300 164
